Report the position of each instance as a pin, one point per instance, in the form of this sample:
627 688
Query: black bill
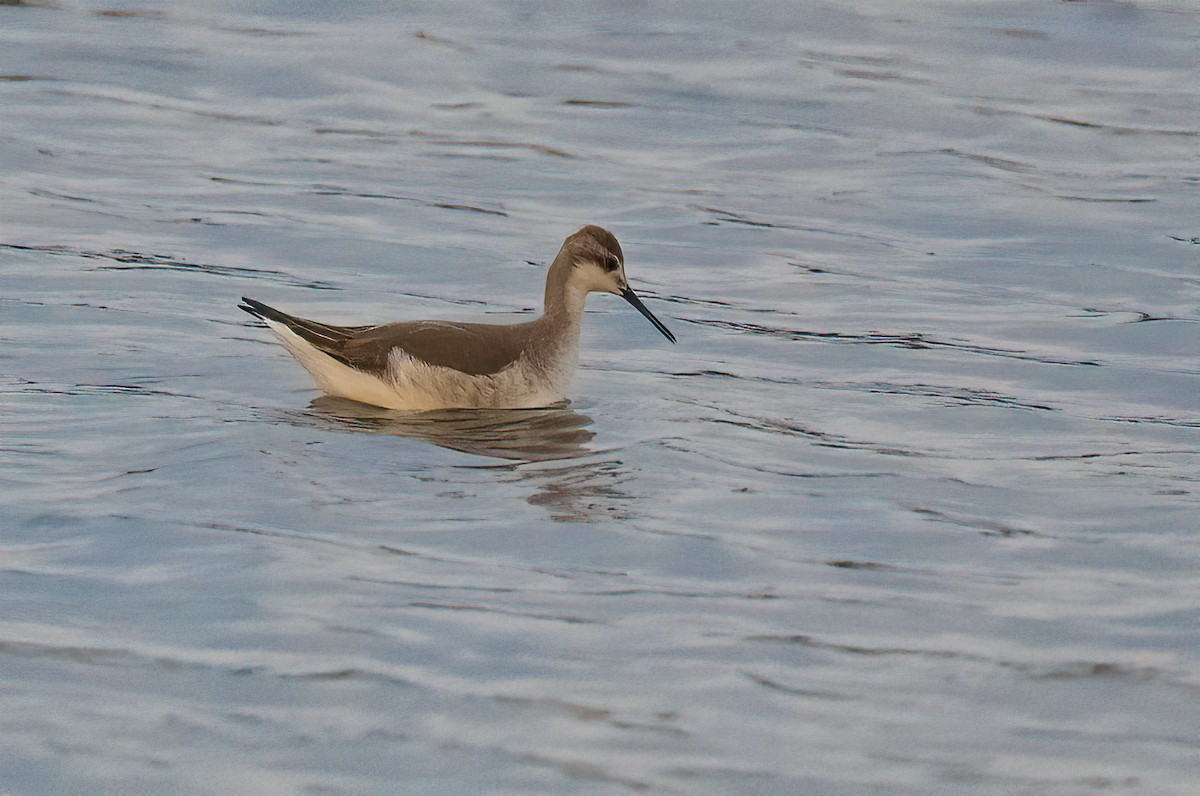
632 298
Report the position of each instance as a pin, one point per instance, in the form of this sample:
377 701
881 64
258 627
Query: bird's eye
612 263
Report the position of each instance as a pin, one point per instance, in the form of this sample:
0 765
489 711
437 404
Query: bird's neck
557 331
565 297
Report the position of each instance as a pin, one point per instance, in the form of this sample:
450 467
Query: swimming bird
425 365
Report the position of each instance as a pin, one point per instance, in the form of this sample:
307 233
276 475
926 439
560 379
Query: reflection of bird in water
580 491
422 365
514 434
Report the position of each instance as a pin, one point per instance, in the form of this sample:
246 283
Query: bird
431 365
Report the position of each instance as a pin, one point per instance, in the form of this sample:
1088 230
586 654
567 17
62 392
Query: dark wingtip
258 309
247 305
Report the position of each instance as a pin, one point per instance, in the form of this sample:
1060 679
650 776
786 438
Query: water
911 508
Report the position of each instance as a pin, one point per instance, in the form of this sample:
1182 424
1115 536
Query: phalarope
424 365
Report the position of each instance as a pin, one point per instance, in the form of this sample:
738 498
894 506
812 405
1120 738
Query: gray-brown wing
474 348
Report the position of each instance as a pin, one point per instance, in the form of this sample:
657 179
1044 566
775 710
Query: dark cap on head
596 241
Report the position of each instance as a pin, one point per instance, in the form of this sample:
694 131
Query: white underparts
411 384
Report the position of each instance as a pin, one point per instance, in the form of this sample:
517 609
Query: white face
605 276
609 277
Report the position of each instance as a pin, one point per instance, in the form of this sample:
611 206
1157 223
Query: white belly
416 386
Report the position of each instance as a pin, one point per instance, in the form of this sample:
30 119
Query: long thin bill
632 298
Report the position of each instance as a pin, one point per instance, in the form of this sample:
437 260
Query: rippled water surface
911 507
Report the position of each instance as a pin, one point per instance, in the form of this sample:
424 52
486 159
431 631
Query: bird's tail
263 312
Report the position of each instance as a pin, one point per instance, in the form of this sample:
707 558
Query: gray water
911 508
